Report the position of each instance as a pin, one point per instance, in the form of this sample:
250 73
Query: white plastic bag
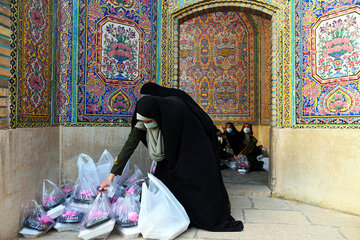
266 161
161 214
104 165
88 169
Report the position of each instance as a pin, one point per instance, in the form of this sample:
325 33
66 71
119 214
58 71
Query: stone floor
265 217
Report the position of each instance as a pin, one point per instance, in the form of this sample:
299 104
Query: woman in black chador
180 137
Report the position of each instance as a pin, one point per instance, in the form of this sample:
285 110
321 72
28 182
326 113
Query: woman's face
147 121
228 128
247 128
150 123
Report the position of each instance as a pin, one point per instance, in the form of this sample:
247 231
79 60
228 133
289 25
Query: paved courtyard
266 218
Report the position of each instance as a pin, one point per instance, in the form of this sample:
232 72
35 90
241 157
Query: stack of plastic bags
128 205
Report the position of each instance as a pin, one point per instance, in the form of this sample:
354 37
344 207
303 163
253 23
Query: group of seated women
240 142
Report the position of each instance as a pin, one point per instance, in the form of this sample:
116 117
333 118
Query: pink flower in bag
69 213
66 190
131 190
45 219
85 193
98 214
49 199
133 216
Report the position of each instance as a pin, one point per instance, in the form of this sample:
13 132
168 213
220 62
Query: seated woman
222 145
249 148
244 142
233 137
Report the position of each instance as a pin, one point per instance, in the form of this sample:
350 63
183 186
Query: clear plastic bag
52 195
68 187
129 184
137 175
99 220
70 219
126 211
104 165
52 199
88 170
34 221
153 167
83 195
242 164
161 214
231 163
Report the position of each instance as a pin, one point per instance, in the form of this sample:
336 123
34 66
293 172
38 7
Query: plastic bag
88 170
153 167
52 195
83 195
126 173
99 220
230 163
34 221
70 219
129 185
52 199
266 161
242 164
68 187
161 214
104 165
126 211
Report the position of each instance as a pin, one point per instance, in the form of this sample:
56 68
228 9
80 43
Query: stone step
248 190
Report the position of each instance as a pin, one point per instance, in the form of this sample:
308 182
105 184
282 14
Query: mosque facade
71 72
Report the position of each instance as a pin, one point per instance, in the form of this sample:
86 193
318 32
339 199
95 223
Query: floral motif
119 101
337 42
38 22
339 100
119 59
36 82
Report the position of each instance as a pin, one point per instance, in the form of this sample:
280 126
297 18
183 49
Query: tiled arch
276 12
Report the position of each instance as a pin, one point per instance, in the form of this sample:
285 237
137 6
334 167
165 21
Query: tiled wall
5 33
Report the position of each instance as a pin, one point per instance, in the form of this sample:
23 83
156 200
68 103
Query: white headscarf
154 139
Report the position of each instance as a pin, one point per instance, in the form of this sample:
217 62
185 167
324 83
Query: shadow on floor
249 184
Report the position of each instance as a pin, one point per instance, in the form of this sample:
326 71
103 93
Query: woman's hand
105 183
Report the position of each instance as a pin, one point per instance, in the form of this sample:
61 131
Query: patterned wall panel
64 60
115 58
218 65
281 82
328 70
34 80
264 68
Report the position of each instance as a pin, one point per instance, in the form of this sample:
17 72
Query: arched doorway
222 57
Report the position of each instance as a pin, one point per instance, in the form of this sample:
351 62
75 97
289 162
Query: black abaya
154 89
190 169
